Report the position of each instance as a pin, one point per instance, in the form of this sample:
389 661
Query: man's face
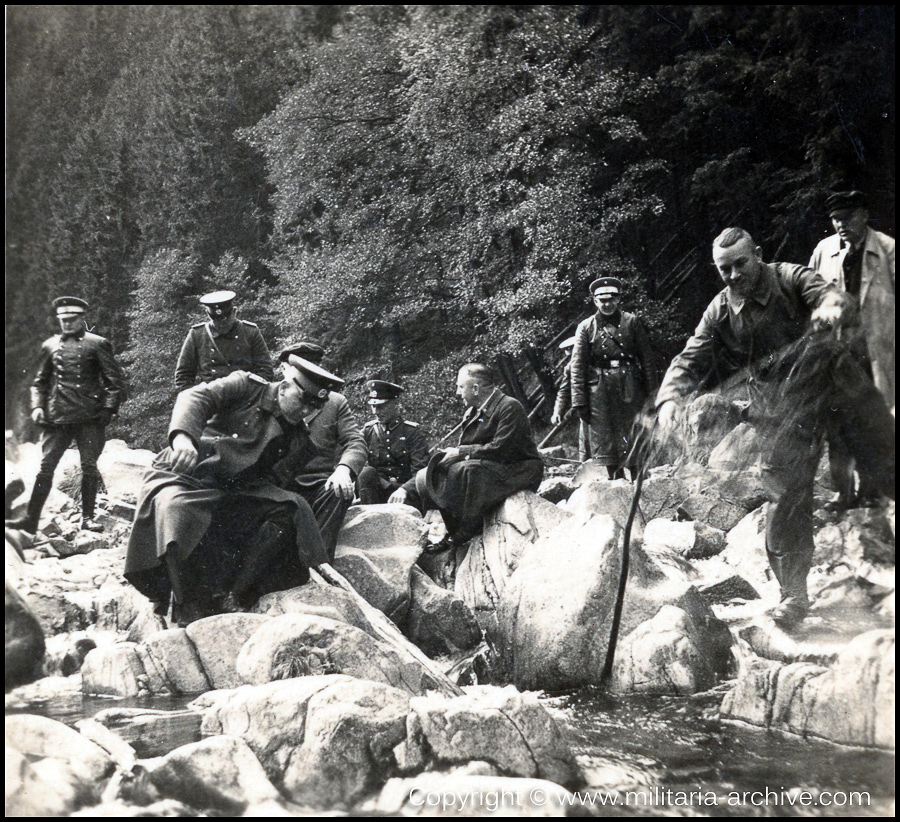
220 319
70 323
388 412
739 266
295 403
607 304
851 225
467 389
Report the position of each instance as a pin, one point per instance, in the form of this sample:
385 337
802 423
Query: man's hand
669 415
399 497
556 419
340 483
184 454
38 416
830 313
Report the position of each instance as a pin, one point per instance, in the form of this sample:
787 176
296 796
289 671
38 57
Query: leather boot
791 571
43 484
89 485
269 541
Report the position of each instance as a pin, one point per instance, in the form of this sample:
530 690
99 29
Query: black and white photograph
450 411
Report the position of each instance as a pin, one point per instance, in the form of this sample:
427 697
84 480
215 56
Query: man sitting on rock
236 445
397 447
799 386
496 457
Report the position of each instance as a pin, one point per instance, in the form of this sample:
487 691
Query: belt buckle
613 363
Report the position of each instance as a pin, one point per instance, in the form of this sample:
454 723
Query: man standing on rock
77 390
222 345
860 261
235 446
496 457
799 385
397 447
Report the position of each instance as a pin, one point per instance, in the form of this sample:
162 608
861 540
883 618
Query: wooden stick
327 574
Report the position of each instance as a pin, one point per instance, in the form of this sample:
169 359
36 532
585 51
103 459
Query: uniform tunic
208 354
395 454
613 374
248 453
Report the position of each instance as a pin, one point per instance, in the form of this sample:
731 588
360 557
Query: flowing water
665 756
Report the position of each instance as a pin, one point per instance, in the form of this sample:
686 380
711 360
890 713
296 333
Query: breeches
55 439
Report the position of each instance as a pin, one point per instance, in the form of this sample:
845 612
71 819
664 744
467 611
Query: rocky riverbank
302 704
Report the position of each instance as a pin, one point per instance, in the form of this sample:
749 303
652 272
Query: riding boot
89 485
43 484
791 571
265 548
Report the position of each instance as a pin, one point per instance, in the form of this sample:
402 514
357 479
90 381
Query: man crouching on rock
496 457
215 525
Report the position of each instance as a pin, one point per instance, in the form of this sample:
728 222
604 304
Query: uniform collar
226 330
75 335
269 400
761 295
612 319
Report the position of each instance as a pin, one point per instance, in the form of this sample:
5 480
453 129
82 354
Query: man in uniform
756 322
496 457
222 345
327 482
77 390
235 446
397 448
860 261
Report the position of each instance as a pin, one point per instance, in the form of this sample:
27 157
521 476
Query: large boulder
667 654
511 730
24 648
707 420
556 611
219 773
175 655
863 535
740 448
745 551
851 703
115 670
692 540
316 600
34 790
152 732
612 498
122 469
295 645
493 556
439 622
58 609
376 550
218 640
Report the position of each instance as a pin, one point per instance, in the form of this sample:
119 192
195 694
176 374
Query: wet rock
609 497
848 593
221 772
218 640
769 641
439 622
24 648
493 556
152 732
352 732
114 670
316 600
554 628
65 653
58 610
708 419
739 449
119 750
122 469
271 718
508 729
34 792
745 550
727 590
693 540
556 489
851 703
39 737
376 550
176 656
465 795
295 645
667 654
119 606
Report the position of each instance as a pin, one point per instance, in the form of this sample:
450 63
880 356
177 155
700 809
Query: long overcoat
246 449
613 373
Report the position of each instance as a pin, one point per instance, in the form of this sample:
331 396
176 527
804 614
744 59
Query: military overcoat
208 354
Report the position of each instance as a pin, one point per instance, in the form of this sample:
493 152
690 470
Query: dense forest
417 186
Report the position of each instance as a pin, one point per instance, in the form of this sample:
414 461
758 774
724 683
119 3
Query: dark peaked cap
305 350
840 200
382 391
317 381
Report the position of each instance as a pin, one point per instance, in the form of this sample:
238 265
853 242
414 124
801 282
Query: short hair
732 236
478 372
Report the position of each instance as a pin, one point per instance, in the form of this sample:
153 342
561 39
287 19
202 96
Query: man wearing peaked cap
860 261
397 447
218 520
309 351
327 481
222 345
613 373
76 391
